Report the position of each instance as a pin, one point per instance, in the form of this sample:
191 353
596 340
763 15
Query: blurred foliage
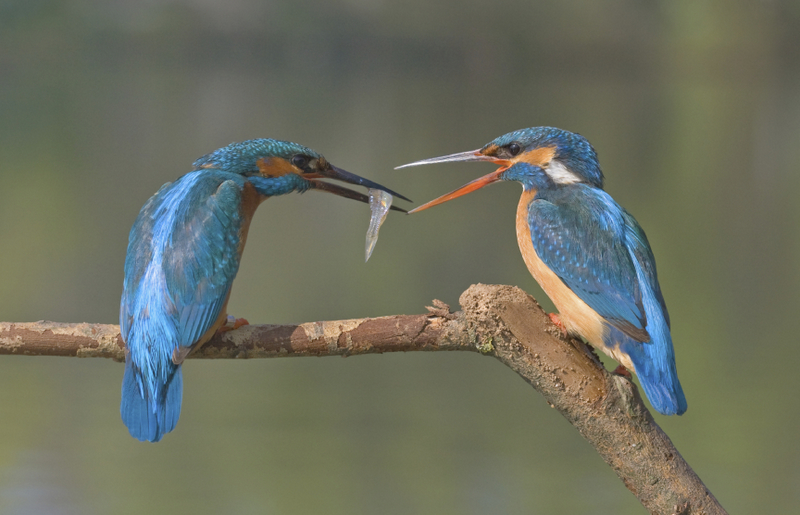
694 108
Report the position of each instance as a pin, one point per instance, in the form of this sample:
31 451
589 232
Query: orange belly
576 315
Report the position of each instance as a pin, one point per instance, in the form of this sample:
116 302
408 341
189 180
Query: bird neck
586 167
529 184
273 186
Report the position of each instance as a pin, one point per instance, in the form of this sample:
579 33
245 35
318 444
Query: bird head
277 167
539 158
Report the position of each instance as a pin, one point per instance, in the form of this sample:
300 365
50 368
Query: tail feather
148 419
660 383
654 364
654 361
168 416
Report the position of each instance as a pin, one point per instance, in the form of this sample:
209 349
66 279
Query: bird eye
513 149
300 161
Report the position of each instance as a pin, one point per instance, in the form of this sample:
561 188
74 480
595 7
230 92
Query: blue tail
150 419
654 361
655 367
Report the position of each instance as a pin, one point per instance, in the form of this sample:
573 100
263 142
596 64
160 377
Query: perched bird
588 254
183 254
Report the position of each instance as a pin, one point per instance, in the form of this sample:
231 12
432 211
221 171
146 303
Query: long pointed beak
333 172
348 193
472 155
463 190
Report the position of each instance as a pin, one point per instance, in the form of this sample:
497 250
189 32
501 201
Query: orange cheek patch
490 150
275 166
538 156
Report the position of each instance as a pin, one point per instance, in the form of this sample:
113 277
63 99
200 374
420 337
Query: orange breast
250 201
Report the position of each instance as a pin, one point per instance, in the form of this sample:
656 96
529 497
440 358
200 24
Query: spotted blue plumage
183 254
580 235
601 253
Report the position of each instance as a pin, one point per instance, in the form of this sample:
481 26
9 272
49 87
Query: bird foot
558 323
622 371
232 323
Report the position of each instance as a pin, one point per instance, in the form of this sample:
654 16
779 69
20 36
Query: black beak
332 172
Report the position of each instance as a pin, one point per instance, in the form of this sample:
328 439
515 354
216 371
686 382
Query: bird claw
558 323
622 371
179 354
231 323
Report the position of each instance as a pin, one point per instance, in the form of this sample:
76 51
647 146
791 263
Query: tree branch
501 321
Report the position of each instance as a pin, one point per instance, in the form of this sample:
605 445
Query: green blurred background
693 106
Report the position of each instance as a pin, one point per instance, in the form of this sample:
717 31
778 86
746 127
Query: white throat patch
560 173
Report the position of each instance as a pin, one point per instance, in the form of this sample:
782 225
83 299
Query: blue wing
183 249
583 241
204 258
183 254
639 248
602 254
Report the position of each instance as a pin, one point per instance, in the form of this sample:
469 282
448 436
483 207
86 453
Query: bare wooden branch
338 338
501 321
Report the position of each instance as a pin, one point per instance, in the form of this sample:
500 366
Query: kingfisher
589 255
183 253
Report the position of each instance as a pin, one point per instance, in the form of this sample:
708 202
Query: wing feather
583 241
203 260
185 246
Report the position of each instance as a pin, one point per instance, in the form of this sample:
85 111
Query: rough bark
500 321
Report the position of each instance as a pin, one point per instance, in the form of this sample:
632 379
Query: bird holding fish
184 252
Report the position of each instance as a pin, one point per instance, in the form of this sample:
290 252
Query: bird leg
558 323
231 323
622 371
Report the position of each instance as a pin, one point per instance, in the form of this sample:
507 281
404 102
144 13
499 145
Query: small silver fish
379 204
